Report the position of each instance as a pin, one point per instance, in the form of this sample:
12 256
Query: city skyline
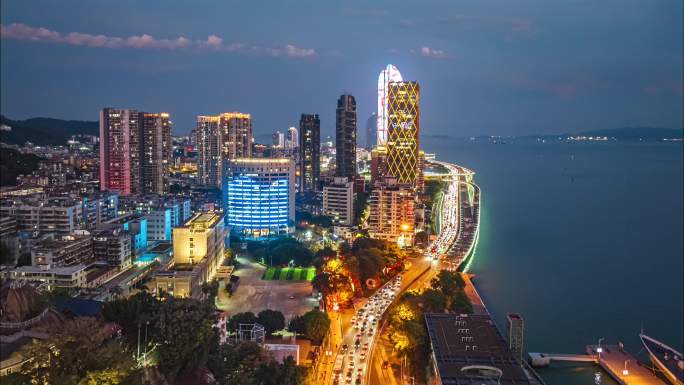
456 52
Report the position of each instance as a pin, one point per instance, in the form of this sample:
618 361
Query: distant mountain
45 130
634 133
13 163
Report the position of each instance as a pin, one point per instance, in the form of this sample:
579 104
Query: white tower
389 74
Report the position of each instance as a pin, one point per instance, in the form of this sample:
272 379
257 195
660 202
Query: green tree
448 282
241 318
186 333
434 300
131 312
103 377
75 348
271 320
316 325
461 303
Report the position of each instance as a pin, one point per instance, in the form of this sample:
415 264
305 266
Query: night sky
485 67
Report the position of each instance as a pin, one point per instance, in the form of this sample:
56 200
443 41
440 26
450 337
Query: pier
618 363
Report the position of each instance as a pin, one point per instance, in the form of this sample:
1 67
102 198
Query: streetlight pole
625 372
599 349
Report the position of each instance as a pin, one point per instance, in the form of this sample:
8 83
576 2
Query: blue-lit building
258 196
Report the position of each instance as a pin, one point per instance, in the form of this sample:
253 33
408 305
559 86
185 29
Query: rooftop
469 350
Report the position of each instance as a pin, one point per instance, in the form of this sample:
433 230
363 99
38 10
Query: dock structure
623 367
618 363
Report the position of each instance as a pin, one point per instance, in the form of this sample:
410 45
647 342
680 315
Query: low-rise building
67 277
113 246
198 252
468 349
67 250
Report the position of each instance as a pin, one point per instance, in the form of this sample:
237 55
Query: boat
669 361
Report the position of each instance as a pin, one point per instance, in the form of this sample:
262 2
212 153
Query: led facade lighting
258 196
403 122
389 74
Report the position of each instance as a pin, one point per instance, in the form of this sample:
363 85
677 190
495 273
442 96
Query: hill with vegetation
45 131
14 163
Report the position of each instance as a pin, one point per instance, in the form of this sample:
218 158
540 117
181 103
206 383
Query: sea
583 239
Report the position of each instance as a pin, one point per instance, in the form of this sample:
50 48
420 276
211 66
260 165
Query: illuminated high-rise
156 152
345 137
292 139
258 195
309 152
389 74
219 138
403 122
207 139
135 151
120 150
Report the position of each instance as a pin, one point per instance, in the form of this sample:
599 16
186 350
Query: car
357 343
385 364
345 347
291 297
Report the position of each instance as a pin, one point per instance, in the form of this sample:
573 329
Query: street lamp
625 372
599 349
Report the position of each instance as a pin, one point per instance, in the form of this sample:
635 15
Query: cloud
432 53
365 12
18 31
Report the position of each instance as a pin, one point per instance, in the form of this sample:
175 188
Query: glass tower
258 196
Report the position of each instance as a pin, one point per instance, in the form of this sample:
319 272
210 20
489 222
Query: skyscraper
207 141
135 151
371 130
310 152
236 135
156 152
278 139
345 136
403 114
292 140
389 74
219 138
120 150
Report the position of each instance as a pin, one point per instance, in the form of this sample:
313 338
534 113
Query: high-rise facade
403 129
371 130
292 139
278 139
135 151
345 136
120 150
392 215
208 140
309 152
236 135
388 75
156 153
258 195
338 201
219 138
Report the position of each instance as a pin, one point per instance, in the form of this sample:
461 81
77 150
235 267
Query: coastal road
352 362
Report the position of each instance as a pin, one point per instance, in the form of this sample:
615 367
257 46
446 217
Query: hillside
45 130
634 133
13 163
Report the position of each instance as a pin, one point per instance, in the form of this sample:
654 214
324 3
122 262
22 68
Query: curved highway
356 360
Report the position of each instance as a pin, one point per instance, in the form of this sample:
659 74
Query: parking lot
255 294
